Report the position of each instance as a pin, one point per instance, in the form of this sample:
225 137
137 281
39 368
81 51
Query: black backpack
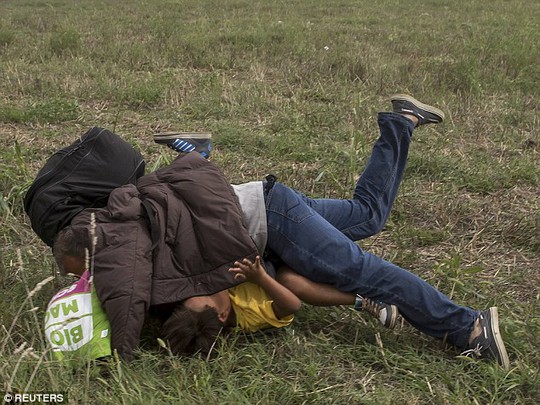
80 176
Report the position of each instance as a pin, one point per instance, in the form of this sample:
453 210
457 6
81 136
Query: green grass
293 88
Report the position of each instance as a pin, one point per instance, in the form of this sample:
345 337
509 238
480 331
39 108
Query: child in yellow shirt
258 303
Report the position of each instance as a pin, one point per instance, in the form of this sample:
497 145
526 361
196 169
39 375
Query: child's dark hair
66 244
188 332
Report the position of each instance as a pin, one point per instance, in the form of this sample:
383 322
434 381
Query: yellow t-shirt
253 308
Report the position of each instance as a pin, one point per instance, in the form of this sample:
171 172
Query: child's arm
284 301
313 293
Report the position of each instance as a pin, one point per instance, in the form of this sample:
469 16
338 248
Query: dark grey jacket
198 232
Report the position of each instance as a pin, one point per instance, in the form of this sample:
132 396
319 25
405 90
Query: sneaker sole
428 108
494 324
167 136
393 320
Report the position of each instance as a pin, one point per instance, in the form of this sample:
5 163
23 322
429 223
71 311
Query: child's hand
284 302
248 270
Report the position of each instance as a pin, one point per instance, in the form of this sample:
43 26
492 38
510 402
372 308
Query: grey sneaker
489 344
186 142
426 114
385 313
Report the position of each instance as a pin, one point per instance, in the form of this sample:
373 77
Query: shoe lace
371 306
475 351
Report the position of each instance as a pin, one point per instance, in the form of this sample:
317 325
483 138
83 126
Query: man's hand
247 270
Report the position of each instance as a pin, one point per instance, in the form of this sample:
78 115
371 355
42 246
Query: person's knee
373 218
376 224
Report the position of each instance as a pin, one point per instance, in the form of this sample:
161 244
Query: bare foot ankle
476 331
412 118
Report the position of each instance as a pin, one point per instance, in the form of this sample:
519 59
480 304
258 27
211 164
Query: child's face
219 301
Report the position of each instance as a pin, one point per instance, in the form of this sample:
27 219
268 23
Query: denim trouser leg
376 189
315 238
314 248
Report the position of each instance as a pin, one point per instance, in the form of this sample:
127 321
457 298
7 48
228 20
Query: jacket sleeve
123 279
122 268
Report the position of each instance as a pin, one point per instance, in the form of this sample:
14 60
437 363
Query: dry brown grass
258 76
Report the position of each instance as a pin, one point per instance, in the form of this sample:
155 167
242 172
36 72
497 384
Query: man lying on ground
199 226
316 238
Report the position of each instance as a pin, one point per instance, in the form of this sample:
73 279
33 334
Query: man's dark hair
188 332
66 244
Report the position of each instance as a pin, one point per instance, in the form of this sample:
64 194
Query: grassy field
293 88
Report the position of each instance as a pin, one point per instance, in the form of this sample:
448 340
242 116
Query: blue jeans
315 237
